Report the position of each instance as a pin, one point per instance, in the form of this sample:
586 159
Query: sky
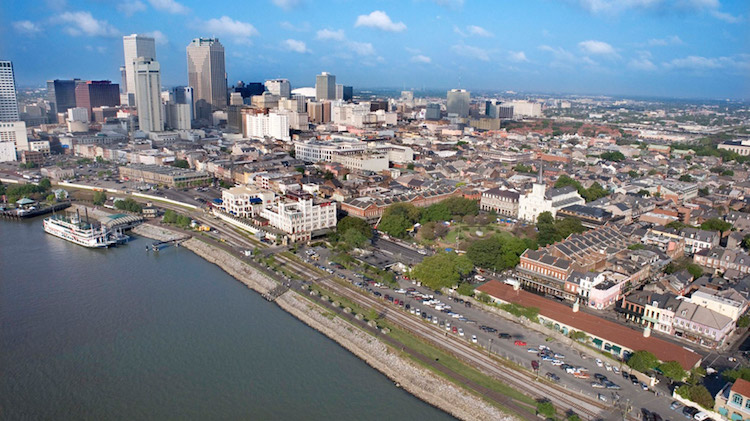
653 48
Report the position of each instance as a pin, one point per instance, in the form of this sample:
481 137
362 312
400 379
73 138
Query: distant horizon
660 48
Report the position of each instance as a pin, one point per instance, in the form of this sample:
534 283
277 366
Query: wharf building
167 176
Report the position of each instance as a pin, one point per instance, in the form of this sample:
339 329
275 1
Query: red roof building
606 335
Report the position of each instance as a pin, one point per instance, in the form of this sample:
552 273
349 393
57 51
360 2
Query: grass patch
457 366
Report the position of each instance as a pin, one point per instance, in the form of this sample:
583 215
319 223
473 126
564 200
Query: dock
13 214
275 293
157 245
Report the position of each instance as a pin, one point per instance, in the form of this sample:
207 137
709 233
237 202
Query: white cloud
616 7
27 27
302 27
129 8
379 20
158 37
421 59
697 63
563 58
287 4
663 42
451 4
517 56
240 32
169 6
597 48
82 23
479 31
100 49
642 62
296 46
361 48
471 52
329 34
726 17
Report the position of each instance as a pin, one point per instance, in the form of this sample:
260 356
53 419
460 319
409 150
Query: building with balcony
733 401
502 202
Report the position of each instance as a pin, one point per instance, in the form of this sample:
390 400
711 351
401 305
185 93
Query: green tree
129 205
437 212
678 225
545 224
698 394
181 163
442 270
615 156
737 373
354 238
686 178
546 408
636 246
45 184
410 166
716 224
395 225
427 231
743 321
328 175
350 222
633 174
99 198
694 270
643 193
642 361
567 226
703 192
673 370
465 289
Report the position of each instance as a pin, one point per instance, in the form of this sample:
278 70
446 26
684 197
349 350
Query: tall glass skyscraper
135 46
207 76
8 99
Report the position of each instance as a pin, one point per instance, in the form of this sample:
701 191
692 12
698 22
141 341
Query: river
127 334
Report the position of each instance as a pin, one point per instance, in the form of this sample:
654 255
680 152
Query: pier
157 245
13 213
275 293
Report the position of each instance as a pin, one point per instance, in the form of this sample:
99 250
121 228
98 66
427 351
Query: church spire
540 178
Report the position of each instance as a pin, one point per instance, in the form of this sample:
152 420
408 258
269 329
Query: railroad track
560 397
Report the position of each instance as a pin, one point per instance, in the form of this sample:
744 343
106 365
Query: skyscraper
325 87
135 46
207 76
8 99
458 102
96 93
184 95
61 95
280 87
148 95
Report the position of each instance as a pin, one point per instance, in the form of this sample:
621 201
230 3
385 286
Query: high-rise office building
207 76
97 93
458 102
123 79
135 46
148 95
8 98
279 87
178 116
432 112
61 95
325 87
184 95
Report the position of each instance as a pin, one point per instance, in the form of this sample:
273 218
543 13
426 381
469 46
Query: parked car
599 363
504 336
519 343
602 398
675 406
474 338
535 365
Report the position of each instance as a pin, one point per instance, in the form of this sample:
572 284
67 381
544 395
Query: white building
271 125
299 218
179 116
8 99
525 108
245 202
7 152
39 146
728 302
135 46
316 151
279 87
540 200
363 161
148 95
15 131
79 114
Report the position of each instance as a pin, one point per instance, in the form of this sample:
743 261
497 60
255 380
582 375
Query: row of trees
595 191
551 230
442 270
498 252
129 205
34 191
172 217
352 232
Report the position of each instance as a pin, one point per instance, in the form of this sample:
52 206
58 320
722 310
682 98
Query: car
597 385
552 377
600 377
701 416
608 366
480 278
532 350
612 386
625 375
474 338
377 294
400 291
460 332
689 411
602 398
557 362
455 329
675 406
447 325
599 363
535 365
504 335
559 356
616 370
435 320
519 343
644 386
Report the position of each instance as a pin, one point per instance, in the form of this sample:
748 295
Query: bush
99 198
465 289
698 394
642 361
531 313
546 408
129 205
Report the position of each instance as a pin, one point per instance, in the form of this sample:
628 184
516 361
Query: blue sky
674 48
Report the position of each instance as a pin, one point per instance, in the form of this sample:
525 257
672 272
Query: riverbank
417 380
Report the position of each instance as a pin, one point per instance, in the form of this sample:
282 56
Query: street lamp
489 349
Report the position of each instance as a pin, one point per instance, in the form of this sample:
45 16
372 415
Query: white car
455 315
447 326
557 362
608 366
434 320
460 332
616 370
599 363
474 338
401 291
480 278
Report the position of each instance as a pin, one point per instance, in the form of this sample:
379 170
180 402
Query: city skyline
683 49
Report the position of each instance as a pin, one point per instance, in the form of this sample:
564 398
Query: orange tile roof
742 387
611 332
